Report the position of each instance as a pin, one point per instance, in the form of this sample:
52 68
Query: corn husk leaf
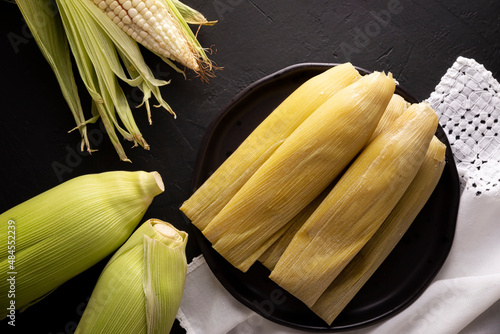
356 207
205 63
141 287
370 257
128 50
99 46
300 169
47 30
71 227
190 15
394 109
223 184
272 254
101 49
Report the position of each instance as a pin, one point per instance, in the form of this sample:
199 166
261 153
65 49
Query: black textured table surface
416 40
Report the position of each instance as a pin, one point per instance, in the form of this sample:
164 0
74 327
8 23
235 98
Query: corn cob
157 25
356 207
370 257
141 287
222 185
272 254
299 170
71 227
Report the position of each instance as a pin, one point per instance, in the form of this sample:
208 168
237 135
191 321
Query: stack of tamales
325 187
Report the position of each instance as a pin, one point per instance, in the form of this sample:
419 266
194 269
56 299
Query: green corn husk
223 184
69 228
141 287
357 206
191 15
105 56
48 32
370 257
299 170
99 46
181 14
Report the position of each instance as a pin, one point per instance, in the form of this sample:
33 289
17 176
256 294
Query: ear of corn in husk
270 257
160 27
299 170
223 184
141 287
106 55
370 257
356 207
71 227
100 47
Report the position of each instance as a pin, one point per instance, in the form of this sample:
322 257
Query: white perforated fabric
467 101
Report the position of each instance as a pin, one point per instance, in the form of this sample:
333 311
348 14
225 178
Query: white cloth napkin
465 296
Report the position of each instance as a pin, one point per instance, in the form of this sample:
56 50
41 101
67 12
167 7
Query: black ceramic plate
399 280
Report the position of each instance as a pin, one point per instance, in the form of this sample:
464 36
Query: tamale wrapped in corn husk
221 186
299 170
357 206
273 253
370 257
394 109
270 257
141 287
